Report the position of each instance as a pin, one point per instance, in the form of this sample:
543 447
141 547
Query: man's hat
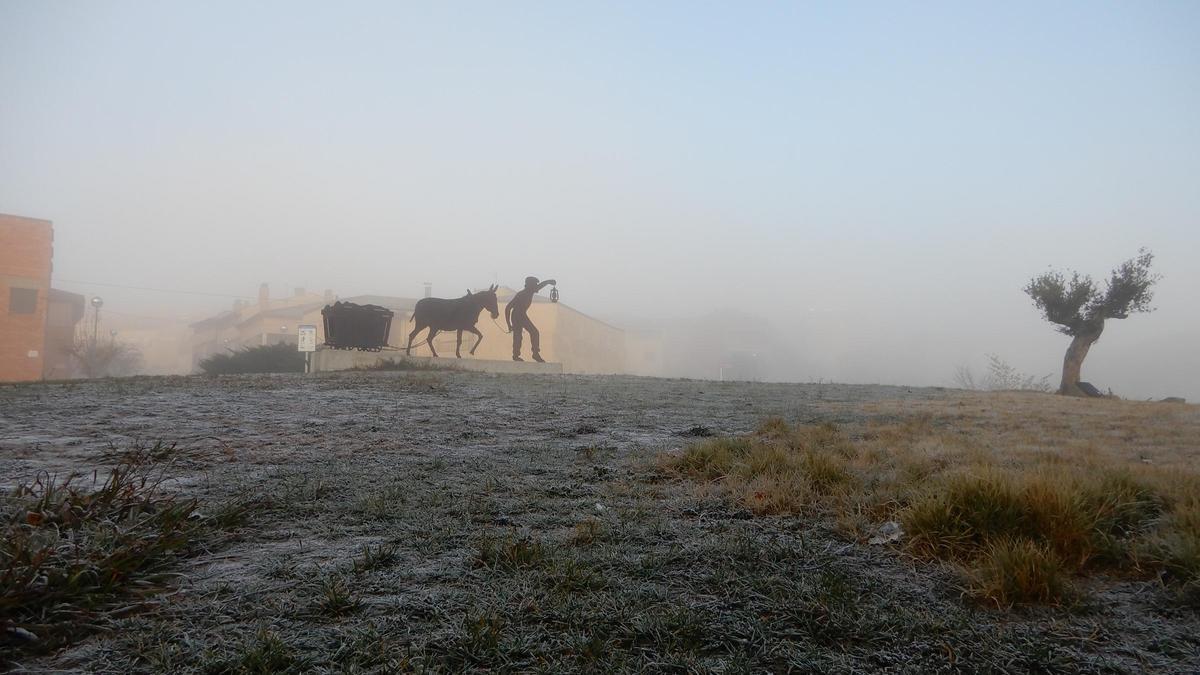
531 281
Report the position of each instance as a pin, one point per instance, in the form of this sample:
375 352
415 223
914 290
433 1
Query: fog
876 182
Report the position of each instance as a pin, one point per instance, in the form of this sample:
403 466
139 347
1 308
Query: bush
1001 376
280 358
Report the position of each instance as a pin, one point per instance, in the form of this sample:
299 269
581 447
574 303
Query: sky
878 180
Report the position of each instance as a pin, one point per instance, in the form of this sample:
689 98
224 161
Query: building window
22 300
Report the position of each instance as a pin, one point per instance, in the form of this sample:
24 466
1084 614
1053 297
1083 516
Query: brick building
26 250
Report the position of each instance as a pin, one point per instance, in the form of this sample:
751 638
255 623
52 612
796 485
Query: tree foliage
1077 306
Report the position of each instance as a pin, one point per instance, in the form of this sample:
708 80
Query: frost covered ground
449 521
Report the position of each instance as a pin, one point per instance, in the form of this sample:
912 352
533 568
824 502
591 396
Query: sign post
306 341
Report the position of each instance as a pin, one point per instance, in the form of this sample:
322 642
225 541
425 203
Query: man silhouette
517 317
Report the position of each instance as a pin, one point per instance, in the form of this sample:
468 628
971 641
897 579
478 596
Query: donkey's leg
478 339
458 345
432 332
413 334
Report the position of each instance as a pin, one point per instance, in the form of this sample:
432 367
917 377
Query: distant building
265 322
581 343
37 323
26 252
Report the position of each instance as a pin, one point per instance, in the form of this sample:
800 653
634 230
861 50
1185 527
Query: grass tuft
509 552
264 652
335 598
1012 571
375 557
69 551
588 532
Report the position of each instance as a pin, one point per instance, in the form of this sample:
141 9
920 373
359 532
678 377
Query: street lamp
97 303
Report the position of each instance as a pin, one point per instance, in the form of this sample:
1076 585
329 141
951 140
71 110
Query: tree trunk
1073 361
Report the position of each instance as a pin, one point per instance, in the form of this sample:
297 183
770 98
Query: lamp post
97 303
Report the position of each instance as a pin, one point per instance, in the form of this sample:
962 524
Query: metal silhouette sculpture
517 317
458 314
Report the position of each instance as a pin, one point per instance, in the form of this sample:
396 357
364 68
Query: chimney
264 296
428 289
328 295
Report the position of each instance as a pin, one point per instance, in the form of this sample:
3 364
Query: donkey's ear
468 291
494 287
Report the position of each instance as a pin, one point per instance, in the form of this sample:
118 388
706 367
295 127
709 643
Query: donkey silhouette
457 314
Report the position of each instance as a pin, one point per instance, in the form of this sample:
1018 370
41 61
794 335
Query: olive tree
1079 308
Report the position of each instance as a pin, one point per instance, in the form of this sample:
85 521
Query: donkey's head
486 300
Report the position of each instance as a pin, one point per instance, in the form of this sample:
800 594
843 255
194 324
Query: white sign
306 339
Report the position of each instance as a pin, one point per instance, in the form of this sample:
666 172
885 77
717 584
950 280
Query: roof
227 317
290 312
26 218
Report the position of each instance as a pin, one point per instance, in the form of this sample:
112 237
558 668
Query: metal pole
96 304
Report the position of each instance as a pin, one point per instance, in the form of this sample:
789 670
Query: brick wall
26 250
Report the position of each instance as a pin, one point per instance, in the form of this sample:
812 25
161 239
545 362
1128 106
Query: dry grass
1023 507
70 549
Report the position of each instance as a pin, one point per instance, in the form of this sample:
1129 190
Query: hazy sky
880 179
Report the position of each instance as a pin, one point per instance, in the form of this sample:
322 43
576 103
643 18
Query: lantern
554 294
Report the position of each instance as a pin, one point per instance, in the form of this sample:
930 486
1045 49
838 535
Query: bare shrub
91 359
1000 376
